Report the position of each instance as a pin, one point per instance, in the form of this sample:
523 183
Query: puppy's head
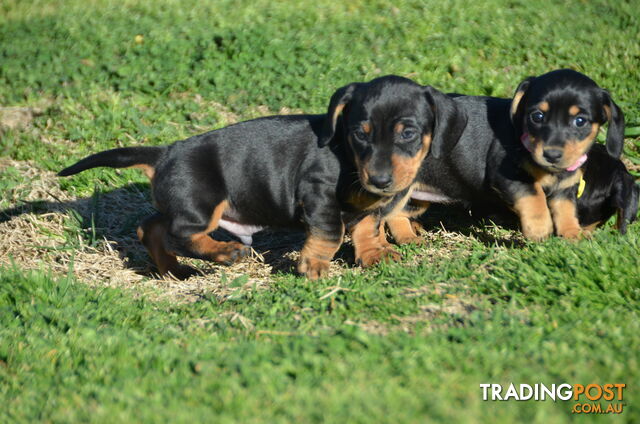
390 124
558 116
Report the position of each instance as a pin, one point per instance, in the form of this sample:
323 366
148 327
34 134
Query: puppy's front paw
573 233
313 268
537 230
411 240
377 255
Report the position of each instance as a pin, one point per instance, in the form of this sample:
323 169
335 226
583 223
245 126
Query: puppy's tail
144 158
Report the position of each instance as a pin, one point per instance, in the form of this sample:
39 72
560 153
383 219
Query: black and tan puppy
322 171
606 189
526 153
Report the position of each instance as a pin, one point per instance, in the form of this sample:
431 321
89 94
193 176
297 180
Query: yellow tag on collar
581 187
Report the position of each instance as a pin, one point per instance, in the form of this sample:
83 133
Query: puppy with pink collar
525 153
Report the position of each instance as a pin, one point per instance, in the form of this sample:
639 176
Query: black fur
284 171
490 164
609 189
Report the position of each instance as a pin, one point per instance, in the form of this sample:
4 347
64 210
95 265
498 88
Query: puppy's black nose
552 155
381 181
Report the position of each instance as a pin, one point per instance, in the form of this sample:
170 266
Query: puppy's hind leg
189 235
152 232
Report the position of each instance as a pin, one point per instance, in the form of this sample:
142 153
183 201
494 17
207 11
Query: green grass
399 343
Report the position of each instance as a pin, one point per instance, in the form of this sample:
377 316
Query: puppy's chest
553 183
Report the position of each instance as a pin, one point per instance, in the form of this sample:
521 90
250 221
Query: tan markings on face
574 110
535 218
565 218
537 149
516 101
573 149
607 111
366 127
544 106
148 170
366 239
398 128
404 169
363 175
316 254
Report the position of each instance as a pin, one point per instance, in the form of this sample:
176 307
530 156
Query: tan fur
570 181
400 225
152 237
148 170
515 102
535 218
565 218
219 251
551 181
367 244
365 201
544 106
574 110
337 113
591 227
316 255
404 169
576 148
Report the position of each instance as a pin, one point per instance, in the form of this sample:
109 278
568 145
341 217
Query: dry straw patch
45 227
38 230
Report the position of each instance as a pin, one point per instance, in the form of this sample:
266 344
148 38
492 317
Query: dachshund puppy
525 153
347 168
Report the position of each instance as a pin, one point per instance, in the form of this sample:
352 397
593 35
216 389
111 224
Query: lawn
88 334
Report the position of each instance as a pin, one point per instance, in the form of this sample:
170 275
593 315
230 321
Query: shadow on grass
115 215
493 227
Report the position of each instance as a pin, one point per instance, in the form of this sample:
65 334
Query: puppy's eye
408 134
360 135
537 116
580 121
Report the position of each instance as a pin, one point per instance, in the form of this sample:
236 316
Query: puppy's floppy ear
626 202
450 121
338 101
615 133
517 105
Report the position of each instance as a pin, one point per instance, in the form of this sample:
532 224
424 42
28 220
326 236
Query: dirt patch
453 311
17 117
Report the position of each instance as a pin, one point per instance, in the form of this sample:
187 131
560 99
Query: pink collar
526 142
